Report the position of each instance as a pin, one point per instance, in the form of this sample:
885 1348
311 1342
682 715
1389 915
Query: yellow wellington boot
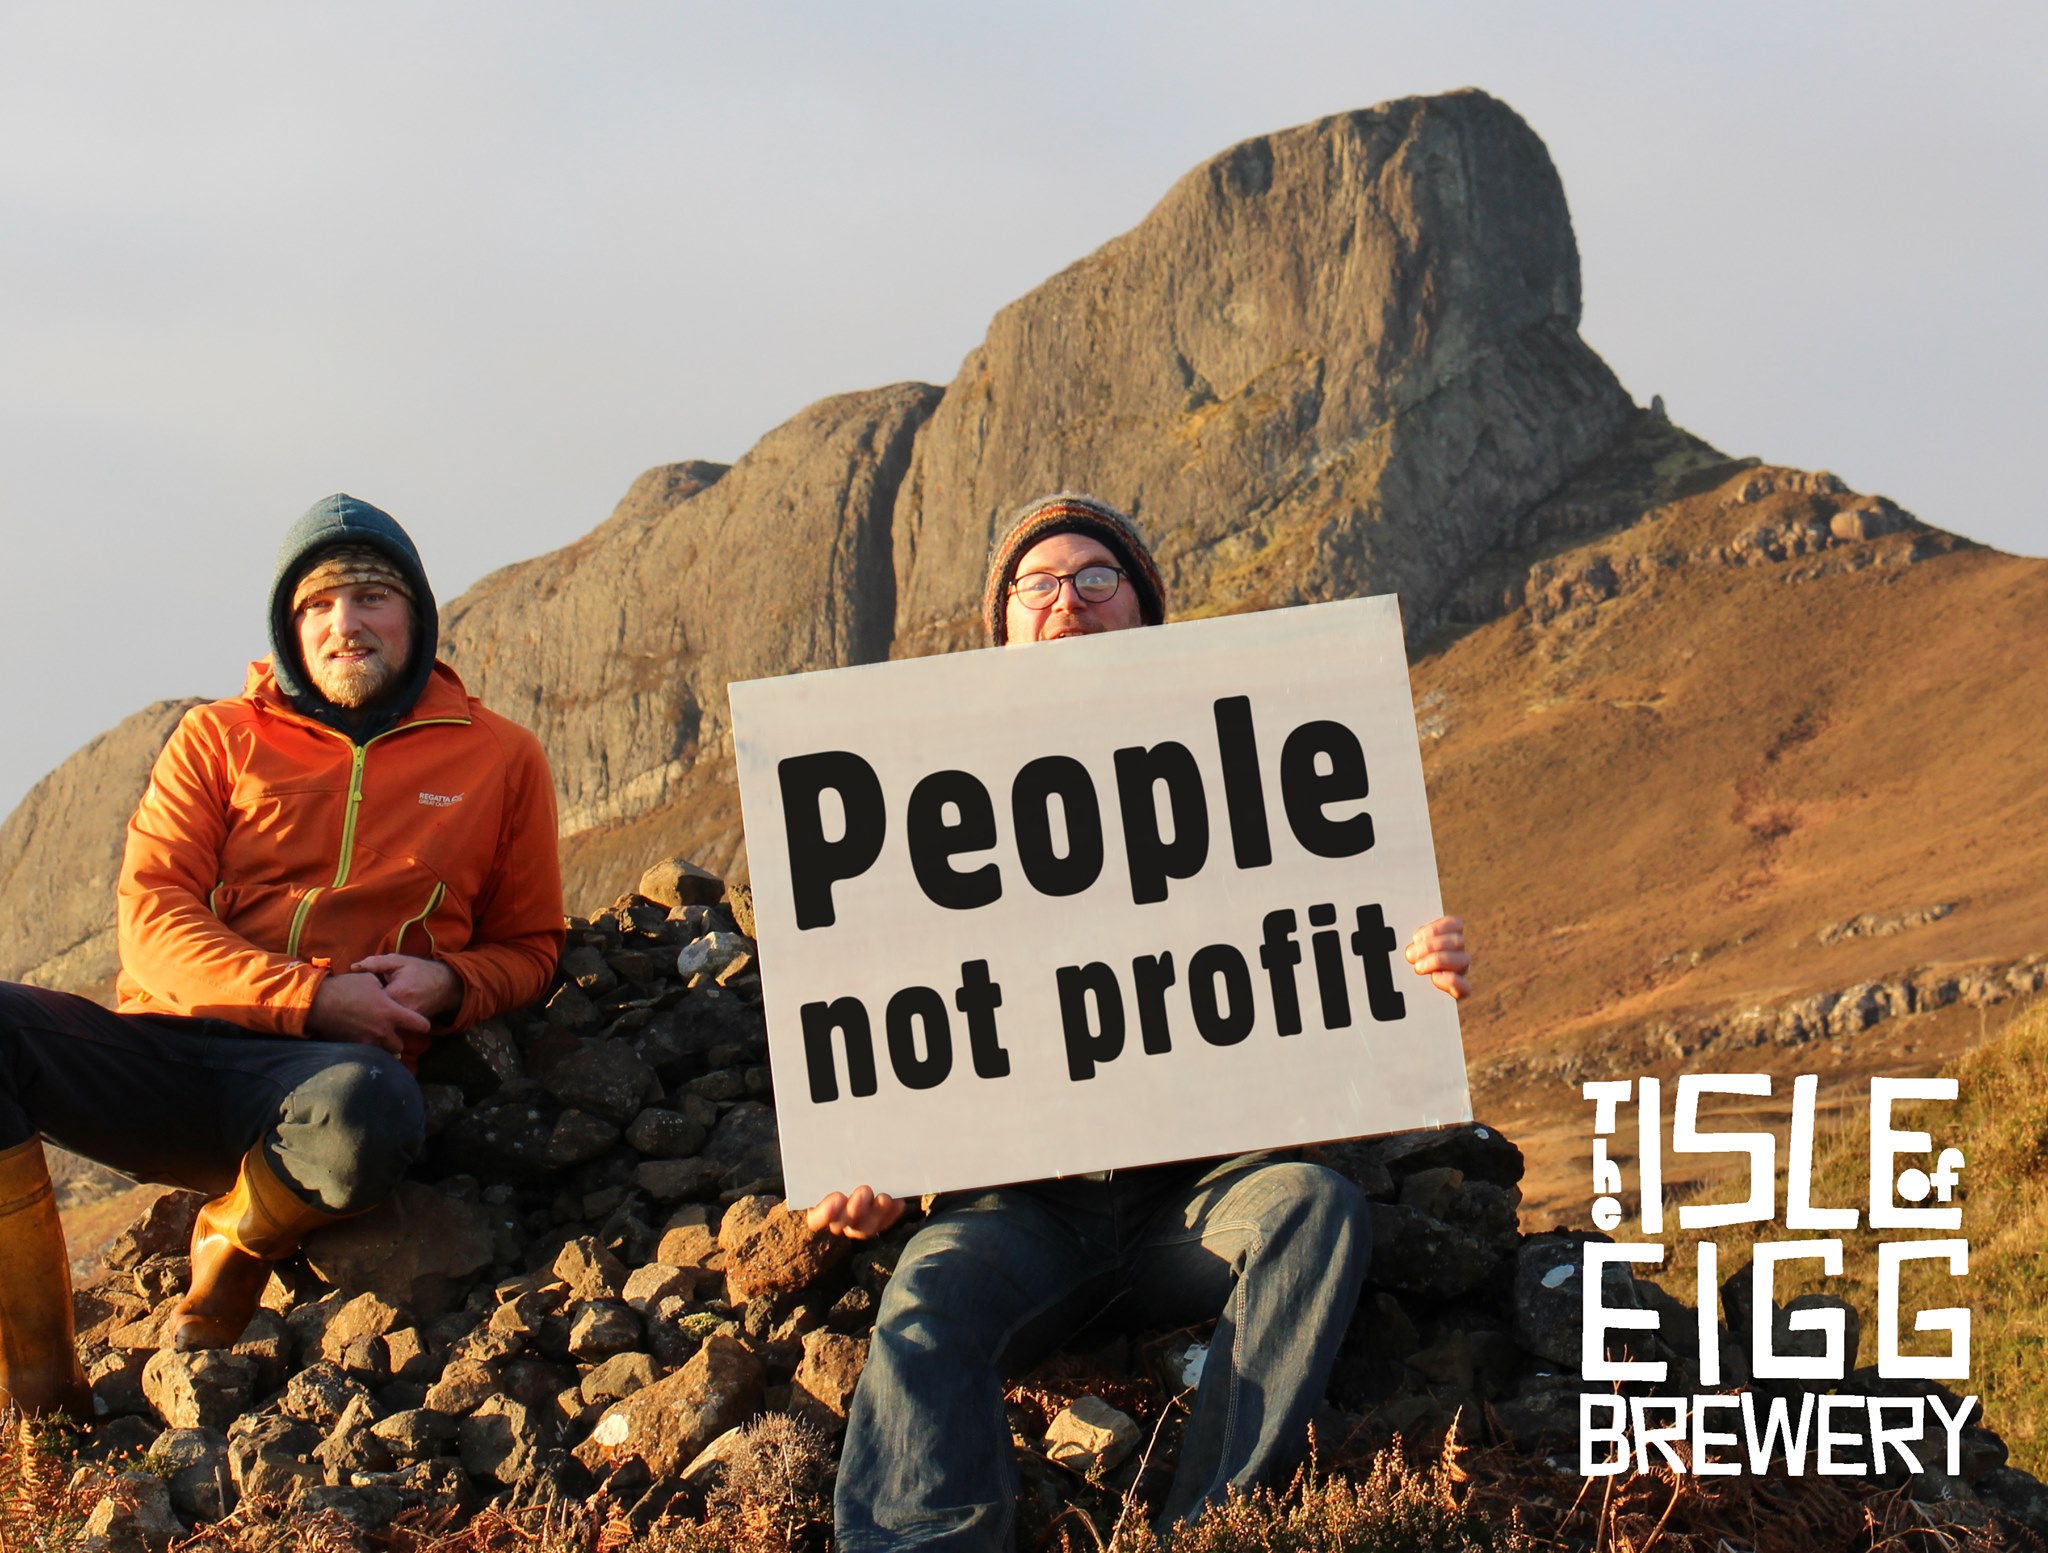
39 1370
234 1241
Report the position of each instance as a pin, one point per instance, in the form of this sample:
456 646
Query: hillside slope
1736 788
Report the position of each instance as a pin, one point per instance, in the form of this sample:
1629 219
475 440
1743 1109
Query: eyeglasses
1096 584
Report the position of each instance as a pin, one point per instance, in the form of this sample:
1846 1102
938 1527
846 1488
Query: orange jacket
270 849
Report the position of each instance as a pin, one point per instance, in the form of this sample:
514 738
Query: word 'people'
1056 816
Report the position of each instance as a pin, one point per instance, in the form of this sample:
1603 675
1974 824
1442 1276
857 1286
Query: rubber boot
234 1241
39 1370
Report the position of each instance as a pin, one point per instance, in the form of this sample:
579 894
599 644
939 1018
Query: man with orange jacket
325 872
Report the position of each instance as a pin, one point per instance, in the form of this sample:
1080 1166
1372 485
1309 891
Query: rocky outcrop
1837 1017
61 849
1337 360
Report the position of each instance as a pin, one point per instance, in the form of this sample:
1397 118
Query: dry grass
1463 1501
40 1512
1395 1507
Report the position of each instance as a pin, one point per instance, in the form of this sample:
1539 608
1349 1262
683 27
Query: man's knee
348 1133
1315 1207
951 1296
916 1295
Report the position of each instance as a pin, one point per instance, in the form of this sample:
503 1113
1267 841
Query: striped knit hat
1070 513
340 565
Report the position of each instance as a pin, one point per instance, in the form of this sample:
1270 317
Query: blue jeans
997 1281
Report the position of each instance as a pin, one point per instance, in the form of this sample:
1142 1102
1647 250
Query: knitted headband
346 564
1070 513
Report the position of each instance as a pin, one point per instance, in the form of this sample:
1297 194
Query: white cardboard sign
1095 903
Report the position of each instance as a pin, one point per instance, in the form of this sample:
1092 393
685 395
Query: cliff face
61 849
1334 360
1341 359
1337 360
617 650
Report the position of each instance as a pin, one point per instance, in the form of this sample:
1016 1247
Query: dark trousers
179 1101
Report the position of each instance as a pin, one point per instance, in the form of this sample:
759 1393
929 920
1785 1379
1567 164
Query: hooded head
1071 513
338 542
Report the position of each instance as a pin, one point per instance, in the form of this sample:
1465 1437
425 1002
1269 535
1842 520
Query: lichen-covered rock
822 1388
462 1388
711 954
163 1229
1473 1149
618 1378
649 1285
679 1180
134 1516
590 1271
676 881
607 1079
666 1424
206 1389
780 1255
270 1456
416 1433
116 1378
320 1394
506 1138
600 1328
417 1253
663 1134
193 1463
1417 1254
351 1446
366 1316
499 1440
479 1061
579 1136
746 1144
1549 1297
1091 1436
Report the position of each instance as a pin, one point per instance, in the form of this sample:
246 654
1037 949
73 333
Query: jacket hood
343 520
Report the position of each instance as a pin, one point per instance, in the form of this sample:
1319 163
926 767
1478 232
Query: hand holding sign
860 1214
1439 951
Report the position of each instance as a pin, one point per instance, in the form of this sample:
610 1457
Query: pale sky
483 263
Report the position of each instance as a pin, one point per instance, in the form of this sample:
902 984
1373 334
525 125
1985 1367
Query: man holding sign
1275 1250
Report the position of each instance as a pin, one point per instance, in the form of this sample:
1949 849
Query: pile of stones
590 1282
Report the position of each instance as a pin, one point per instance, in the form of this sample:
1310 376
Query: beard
355 683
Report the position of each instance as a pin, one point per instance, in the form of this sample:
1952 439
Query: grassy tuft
1397 1507
40 1509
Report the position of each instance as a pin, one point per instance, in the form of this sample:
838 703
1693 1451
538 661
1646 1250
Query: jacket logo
440 800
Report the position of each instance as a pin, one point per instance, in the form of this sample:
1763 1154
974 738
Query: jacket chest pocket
415 935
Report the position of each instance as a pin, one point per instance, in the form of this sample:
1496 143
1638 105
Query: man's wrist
450 1004
300 1007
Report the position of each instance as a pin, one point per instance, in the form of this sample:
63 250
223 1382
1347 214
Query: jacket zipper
359 753
420 921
